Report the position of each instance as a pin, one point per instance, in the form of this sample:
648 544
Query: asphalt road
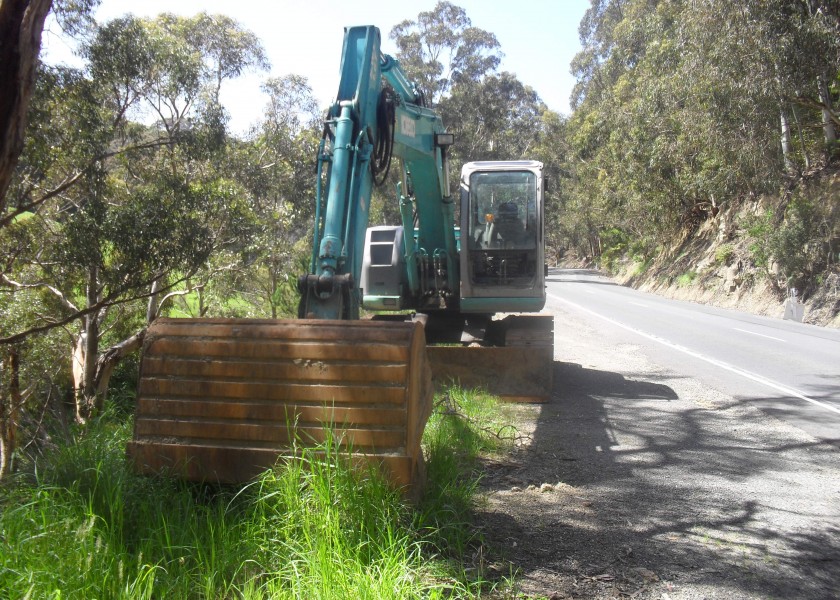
789 369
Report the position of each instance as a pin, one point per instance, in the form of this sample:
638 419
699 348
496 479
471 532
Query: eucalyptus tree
493 115
683 107
610 128
806 54
552 148
495 118
441 48
127 149
21 26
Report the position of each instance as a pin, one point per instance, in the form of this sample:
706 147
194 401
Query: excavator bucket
222 400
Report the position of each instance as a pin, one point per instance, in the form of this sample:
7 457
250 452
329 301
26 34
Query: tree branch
109 300
163 300
69 182
815 104
23 286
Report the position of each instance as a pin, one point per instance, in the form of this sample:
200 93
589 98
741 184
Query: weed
686 279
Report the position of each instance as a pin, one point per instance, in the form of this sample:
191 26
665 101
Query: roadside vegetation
82 525
703 145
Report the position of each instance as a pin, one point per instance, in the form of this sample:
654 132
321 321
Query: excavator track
221 400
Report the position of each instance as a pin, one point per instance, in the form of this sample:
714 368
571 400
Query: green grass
686 279
84 526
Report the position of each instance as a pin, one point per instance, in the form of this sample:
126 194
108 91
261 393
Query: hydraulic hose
386 118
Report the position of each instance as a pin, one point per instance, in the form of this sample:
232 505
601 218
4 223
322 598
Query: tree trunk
202 310
152 307
85 355
92 387
5 443
787 146
9 408
272 292
829 132
92 371
21 24
106 363
801 137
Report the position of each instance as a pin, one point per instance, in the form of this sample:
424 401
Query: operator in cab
505 228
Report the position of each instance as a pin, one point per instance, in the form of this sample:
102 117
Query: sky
538 39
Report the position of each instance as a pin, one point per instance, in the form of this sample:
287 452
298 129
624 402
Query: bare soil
636 482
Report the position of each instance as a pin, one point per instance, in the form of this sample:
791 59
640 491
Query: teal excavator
223 399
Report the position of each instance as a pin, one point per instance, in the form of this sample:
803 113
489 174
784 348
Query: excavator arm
378 115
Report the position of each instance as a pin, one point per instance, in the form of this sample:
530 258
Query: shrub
614 243
787 243
723 254
686 279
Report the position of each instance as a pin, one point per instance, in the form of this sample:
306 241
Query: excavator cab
502 265
502 274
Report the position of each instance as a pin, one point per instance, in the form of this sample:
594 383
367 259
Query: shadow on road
816 418
650 492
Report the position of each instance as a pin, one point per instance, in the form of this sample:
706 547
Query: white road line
639 304
770 337
713 361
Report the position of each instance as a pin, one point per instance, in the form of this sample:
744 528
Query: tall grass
84 526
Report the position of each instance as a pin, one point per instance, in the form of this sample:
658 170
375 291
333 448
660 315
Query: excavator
452 292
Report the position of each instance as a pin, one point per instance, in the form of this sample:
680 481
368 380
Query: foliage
277 167
137 204
119 206
494 116
614 245
441 50
677 109
788 249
